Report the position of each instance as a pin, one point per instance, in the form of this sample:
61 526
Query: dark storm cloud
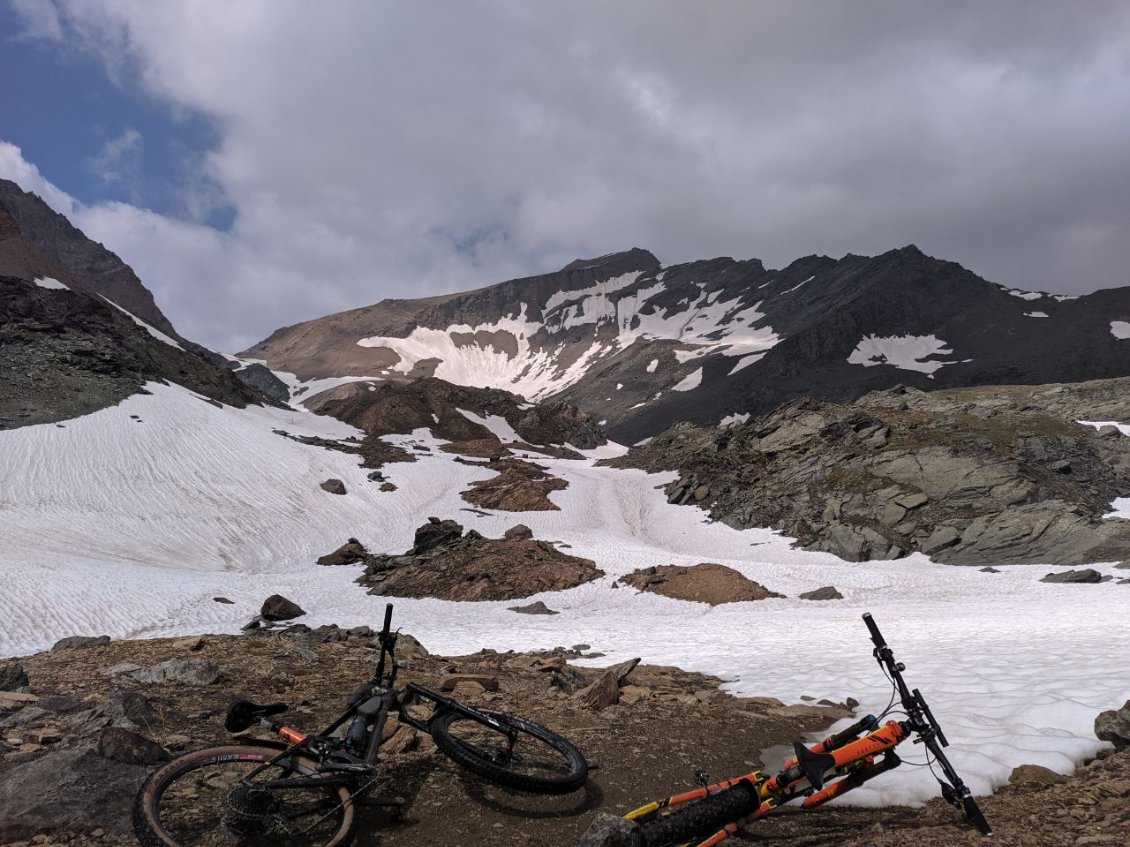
400 150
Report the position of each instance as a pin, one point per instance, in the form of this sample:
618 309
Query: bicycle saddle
243 714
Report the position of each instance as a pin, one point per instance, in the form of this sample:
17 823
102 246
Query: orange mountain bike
815 774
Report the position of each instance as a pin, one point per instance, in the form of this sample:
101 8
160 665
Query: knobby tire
188 796
542 761
699 819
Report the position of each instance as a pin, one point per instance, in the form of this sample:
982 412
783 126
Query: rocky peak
51 238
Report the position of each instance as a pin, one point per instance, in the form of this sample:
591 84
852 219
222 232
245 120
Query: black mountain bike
304 790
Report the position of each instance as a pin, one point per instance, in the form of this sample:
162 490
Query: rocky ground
66 353
92 721
448 564
966 476
520 486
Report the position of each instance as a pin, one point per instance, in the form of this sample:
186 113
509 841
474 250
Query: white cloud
15 167
399 150
119 160
40 19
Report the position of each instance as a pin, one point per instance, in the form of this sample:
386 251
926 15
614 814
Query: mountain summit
642 346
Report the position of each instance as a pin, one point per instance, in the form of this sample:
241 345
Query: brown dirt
705 583
519 487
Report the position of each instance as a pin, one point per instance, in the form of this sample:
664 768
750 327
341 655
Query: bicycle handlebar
876 636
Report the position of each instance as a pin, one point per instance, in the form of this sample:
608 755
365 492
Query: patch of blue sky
96 140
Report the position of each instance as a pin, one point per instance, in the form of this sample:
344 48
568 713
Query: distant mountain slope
78 330
641 346
37 241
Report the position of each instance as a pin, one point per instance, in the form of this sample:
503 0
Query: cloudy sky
268 161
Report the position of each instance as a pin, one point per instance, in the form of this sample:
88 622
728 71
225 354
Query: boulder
451 681
67 790
435 535
278 608
349 553
828 592
223 600
707 582
602 693
538 608
333 486
194 672
1083 575
518 532
1035 774
122 745
80 641
407 647
12 677
1114 726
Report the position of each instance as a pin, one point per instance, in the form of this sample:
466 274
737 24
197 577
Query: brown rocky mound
519 487
447 564
962 476
705 583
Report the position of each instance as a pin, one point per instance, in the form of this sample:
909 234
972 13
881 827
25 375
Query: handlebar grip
876 636
388 619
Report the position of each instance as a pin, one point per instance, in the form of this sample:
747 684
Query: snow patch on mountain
1027 295
1035 314
690 382
745 361
908 352
153 331
497 424
1120 329
48 282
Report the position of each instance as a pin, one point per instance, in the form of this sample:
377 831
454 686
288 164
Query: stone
1114 726
333 486
223 600
435 535
537 608
610 831
518 532
349 553
912 501
449 682
1083 575
622 670
940 539
1035 774
407 647
278 608
989 569
62 704
122 745
12 677
602 693
80 641
828 592
192 645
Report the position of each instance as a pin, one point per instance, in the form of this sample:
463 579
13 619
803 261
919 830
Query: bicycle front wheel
200 800
539 761
698 819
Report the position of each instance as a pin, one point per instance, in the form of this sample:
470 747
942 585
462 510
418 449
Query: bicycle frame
367 714
839 763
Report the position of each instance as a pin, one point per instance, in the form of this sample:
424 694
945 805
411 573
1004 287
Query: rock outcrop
447 564
964 476
705 583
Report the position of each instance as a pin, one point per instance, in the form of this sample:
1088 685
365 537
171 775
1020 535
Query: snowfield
128 522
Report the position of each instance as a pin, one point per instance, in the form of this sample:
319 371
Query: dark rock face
278 608
435 535
263 380
970 476
68 351
12 677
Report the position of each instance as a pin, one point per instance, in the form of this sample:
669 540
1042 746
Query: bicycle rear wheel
198 800
698 819
540 761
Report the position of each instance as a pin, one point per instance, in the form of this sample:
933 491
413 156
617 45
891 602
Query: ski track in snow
130 528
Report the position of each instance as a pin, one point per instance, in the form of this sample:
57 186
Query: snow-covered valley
129 521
